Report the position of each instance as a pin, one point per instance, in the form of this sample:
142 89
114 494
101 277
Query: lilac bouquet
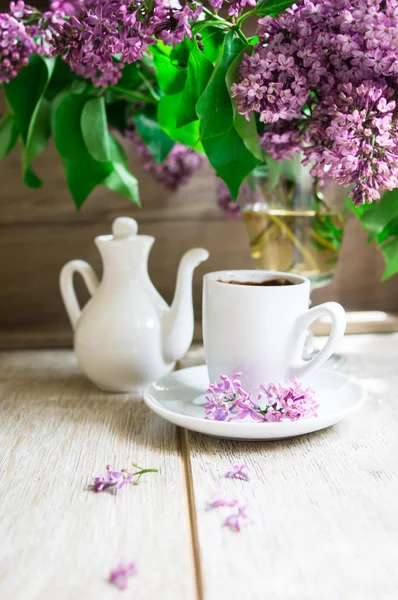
271 404
319 78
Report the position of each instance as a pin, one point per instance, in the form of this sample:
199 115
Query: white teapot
127 336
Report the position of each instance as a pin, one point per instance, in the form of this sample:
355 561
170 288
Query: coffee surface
266 283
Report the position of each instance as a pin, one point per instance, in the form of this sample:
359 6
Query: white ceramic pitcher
127 336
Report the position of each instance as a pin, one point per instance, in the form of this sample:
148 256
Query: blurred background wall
40 231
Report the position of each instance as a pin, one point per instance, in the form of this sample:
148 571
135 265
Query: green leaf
157 141
55 105
83 172
117 115
189 135
130 76
121 180
390 252
25 95
94 125
67 134
214 107
61 78
212 40
272 7
179 55
30 178
246 129
391 229
171 79
230 158
39 132
199 71
8 134
376 216
25 92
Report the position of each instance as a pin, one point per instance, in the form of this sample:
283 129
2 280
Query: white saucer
179 398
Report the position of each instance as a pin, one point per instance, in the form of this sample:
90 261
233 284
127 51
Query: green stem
198 27
245 16
133 95
142 472
150 87
214 16
240 33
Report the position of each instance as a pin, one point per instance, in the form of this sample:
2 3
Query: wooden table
323 508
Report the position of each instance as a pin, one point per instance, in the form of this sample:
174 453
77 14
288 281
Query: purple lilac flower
237 472
220 501
225 203
272 403
103 29
234 520
118 479
283 139
67 7
16 42
120 575
323 78
176 169
234 6
170 21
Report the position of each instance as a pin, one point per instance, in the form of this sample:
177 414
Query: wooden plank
323 513
59 540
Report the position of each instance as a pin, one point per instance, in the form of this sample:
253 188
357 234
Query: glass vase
294 223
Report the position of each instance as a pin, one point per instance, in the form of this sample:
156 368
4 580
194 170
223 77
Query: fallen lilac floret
120 575
118 479
237 472
234 520
273 403
220 501
113 478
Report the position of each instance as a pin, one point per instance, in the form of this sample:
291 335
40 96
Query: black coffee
267 283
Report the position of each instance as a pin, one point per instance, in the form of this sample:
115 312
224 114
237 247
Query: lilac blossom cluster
323 78
273 403
176 169
71 8
98 39
25 31
16 41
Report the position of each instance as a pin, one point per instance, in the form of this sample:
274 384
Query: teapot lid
124 228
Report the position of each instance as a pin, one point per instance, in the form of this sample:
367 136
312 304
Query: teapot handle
67 290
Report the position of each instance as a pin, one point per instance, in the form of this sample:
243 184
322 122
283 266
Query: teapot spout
178 321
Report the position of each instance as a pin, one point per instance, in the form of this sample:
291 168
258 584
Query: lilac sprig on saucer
273 403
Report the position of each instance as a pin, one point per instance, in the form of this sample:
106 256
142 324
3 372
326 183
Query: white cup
260 331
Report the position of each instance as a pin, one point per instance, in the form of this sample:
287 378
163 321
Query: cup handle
337 314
